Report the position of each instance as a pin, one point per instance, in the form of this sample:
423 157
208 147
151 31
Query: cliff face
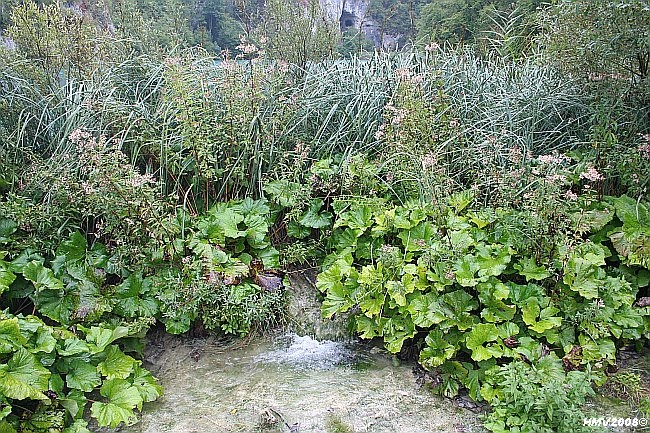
354 14
351 14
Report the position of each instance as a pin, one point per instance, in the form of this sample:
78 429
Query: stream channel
311 381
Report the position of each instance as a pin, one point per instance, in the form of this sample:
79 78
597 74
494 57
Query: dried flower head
644 150
591 174
429 160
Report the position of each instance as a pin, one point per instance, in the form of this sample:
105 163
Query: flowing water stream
292 383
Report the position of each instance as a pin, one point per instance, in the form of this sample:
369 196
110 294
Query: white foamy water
306 352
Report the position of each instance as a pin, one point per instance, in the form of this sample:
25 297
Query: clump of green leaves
75 286
536 396
452 281
226 278
47 372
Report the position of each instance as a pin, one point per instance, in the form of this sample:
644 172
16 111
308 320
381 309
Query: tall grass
210 132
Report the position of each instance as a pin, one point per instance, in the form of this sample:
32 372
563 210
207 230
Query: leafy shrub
91 187
451 280
226 280
76 285
536 397
81 308
47 372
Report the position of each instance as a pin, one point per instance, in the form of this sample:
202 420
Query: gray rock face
352 14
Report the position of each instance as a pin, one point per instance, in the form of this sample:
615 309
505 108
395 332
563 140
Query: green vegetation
484 207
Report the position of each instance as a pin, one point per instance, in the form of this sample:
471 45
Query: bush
536 396
459 284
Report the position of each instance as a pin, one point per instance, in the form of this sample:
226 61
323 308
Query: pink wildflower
592 175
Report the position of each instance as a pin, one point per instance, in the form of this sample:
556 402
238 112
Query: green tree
600 40
152 26
297 31
447 20
55 40
395 17
220 22
458 21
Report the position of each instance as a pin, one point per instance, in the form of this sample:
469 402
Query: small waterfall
304 310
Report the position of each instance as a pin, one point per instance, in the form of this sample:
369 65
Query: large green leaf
100 337
635 247
297 231
529 269
397 292
492 294
97 256
461 200
422 309
372 304
597 350
460 240
24 377
5 427
248 206
368 327
6 275
332 275
540 319
583 272
220 223
398 217
520 293
136 306
418 237
481 341
78 426
492 260
359 217
397 330
73 248
337 300
256 231
284 192
24 258
590 221
131 286
57 305
269 256
633 213
455 309
465 270
314 218
74 402
344 238
43 341
122 399
73 346
10 336
437 351
116 365
177 325
147 384
42 277
82 375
